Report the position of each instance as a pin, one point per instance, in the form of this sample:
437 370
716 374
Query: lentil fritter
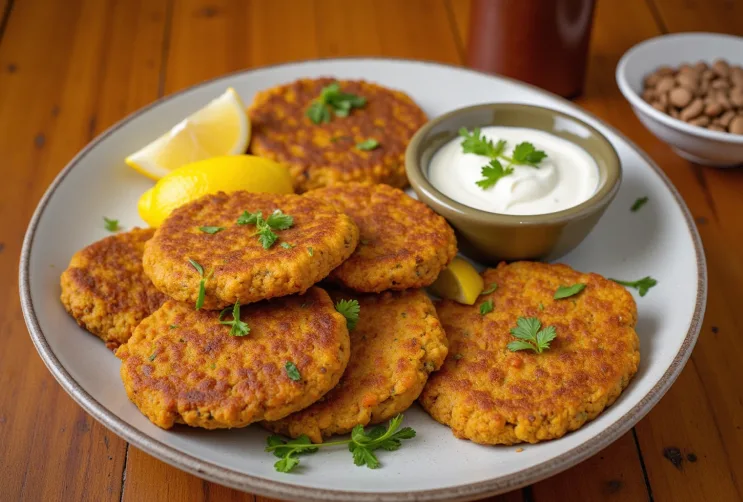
182 366
396 344
402 244
236 265
105 289
325 154
490 395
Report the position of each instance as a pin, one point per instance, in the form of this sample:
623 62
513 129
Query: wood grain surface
71 68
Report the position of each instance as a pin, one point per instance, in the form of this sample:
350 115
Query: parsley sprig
491 173
524 154
641 285
362 445
531 336
331 98
350 309
265 227
237 326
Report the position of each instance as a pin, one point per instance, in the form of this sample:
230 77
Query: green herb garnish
541 306
202 283
173 326
153 356
280 221
111 225
237 326
641 201
265 228
211 230
292 371
362 445
286 245
524 154
350 309
480 145
531 336
486 307
568 291
489 289
369 144
311 251
332 99
491 173
642 285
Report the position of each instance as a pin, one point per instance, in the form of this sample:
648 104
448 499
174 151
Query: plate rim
290 490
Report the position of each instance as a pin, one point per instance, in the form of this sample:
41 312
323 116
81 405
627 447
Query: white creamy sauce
567 177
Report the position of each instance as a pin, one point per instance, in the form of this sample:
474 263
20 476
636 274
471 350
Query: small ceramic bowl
490 237
697 144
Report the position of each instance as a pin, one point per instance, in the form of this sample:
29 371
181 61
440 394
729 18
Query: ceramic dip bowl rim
607 188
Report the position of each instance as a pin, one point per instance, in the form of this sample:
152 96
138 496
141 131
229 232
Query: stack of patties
219 324
398 340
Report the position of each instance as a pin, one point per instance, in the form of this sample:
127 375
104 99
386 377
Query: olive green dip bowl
491 237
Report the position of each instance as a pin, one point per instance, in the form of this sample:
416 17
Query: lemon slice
459 282
220 128
218 174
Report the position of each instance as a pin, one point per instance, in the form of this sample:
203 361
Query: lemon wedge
218 174
459 282
220 128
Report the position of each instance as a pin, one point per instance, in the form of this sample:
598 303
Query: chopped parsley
153 356
237 326
265 228
286 245
568 291
311 251
202 283
362 445
349 309
369 144
642 285
490 289
531 336
486 307
292 371
332 99
211 230
111 225
641 201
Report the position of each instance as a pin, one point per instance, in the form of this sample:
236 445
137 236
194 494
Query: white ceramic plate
660 240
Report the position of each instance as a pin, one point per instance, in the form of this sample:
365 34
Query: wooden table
71 68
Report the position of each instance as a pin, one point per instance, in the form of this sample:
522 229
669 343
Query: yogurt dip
567 177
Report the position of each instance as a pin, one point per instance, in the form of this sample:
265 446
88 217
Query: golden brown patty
182 366
236 265
397 342
402 243
105 289
324 154
491 395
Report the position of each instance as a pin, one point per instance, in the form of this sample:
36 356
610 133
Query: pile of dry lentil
700 94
